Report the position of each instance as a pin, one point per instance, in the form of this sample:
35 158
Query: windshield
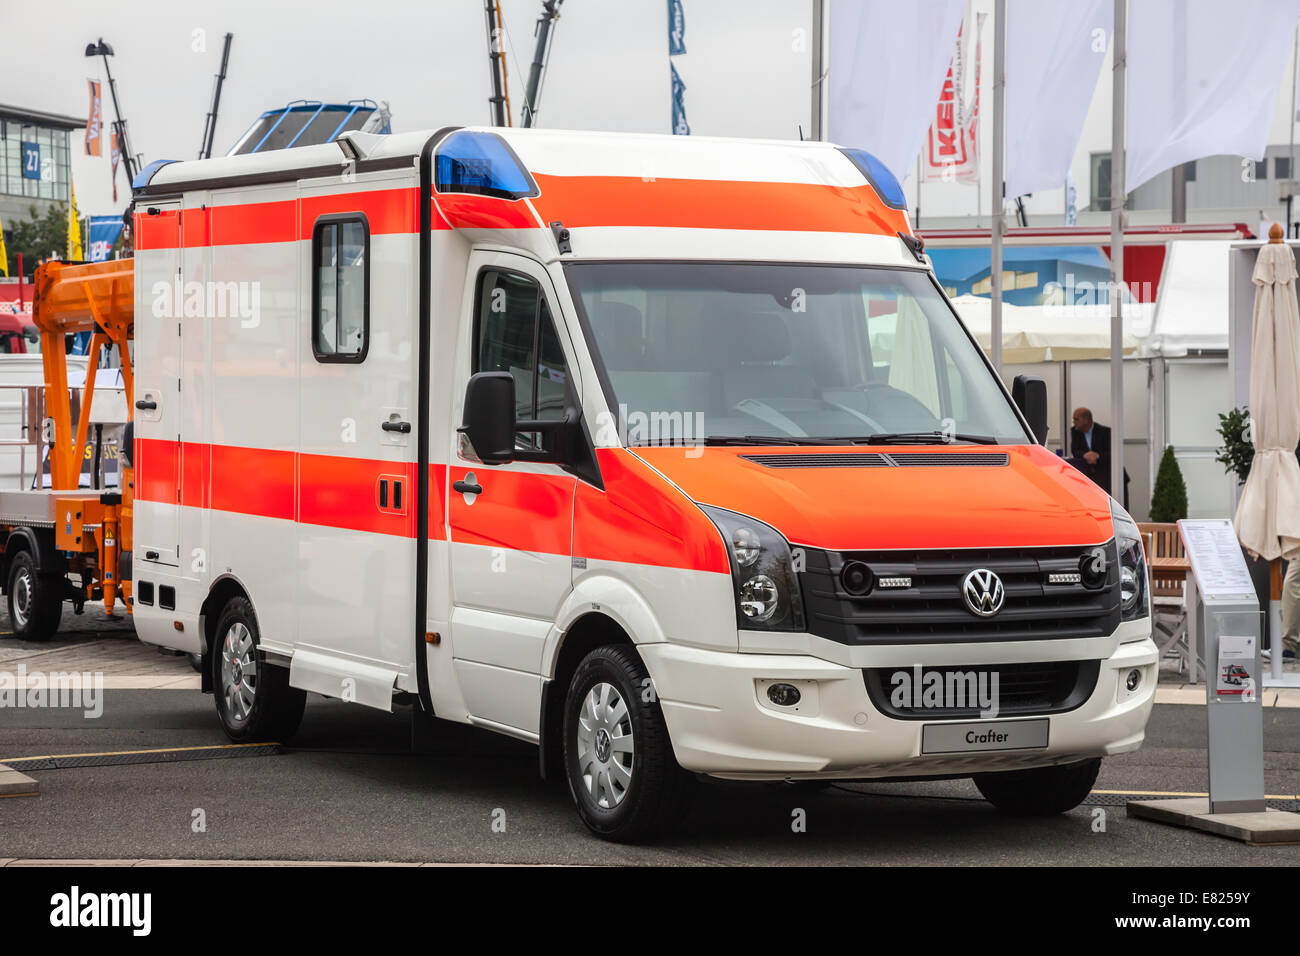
795 352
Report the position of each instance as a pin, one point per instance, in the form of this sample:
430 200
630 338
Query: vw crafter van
667 454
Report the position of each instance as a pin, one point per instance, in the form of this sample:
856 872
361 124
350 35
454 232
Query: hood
1036 499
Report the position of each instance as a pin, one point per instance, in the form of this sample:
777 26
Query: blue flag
676 28
680 126
104 231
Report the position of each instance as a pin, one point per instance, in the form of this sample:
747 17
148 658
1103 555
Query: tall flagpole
999 145
818 68
1120 51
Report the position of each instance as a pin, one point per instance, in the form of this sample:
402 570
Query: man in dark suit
1090 450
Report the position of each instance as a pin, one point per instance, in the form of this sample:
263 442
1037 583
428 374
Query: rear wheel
254 699
1042 791
618 759
35 599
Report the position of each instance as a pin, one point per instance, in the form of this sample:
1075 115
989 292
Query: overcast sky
746 68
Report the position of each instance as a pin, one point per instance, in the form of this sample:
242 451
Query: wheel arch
39 546
591 630
223 589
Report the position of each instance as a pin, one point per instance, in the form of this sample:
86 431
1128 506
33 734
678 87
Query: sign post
1228 612
1223 603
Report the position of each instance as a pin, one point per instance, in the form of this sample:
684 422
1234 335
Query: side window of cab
514 332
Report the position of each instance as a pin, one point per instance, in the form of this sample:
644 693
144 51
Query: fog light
856 577
1092 568
1134 678
783 695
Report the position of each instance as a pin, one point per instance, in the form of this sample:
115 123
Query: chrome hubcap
605 748
238 671
22 598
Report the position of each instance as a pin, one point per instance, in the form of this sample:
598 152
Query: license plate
985 735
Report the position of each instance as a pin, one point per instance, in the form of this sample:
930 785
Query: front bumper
721 722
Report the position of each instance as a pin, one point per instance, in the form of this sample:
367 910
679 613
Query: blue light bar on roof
481 163
885 183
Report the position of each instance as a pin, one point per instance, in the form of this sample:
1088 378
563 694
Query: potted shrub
1169 497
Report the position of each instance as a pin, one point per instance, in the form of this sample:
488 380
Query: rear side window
515 334
340 288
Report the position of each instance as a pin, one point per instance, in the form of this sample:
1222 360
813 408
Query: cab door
510 526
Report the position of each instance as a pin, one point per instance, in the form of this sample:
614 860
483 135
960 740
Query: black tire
35 599
1042 791
263 708
650 794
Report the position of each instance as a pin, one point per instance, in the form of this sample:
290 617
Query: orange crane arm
95 297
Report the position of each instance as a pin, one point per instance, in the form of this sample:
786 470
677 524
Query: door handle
467 487
146 404
403 427
151 555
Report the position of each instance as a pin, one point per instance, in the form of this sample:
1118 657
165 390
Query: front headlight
762 571
1133 597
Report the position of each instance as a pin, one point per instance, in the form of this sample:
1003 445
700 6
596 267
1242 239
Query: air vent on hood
851 460
942 459
906 459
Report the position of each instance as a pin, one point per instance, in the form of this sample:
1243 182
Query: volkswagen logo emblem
983 592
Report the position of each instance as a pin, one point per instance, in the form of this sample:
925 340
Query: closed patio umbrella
1268 515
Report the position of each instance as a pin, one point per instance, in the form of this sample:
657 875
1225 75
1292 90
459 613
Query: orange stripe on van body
469 211
517 511
714 204
388 211
639 519
325 490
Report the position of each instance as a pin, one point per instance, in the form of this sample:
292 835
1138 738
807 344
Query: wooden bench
1168 568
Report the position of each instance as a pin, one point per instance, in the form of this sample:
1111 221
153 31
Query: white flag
951 151
1054 56
1203 79
887 66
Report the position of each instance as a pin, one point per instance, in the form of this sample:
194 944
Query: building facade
35 162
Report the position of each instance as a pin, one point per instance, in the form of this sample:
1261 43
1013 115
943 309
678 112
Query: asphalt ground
349 787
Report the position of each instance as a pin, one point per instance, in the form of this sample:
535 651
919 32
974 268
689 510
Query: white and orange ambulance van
667 454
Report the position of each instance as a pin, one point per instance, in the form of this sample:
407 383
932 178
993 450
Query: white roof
1048 333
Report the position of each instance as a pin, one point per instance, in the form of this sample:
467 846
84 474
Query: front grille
893 459
932 610
1022 689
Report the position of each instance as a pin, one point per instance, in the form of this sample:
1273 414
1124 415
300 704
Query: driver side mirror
1030 395
489 420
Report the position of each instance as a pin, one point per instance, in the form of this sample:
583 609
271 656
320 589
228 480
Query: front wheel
254 699
618 759
35 599
1039 792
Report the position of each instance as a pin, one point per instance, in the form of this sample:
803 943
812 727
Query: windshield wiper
927 438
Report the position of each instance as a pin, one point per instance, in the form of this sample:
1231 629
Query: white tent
1048 333
1192 308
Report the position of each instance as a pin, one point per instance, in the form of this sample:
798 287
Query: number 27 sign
31 160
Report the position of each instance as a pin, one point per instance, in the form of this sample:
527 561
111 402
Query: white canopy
1048 333
1192 307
